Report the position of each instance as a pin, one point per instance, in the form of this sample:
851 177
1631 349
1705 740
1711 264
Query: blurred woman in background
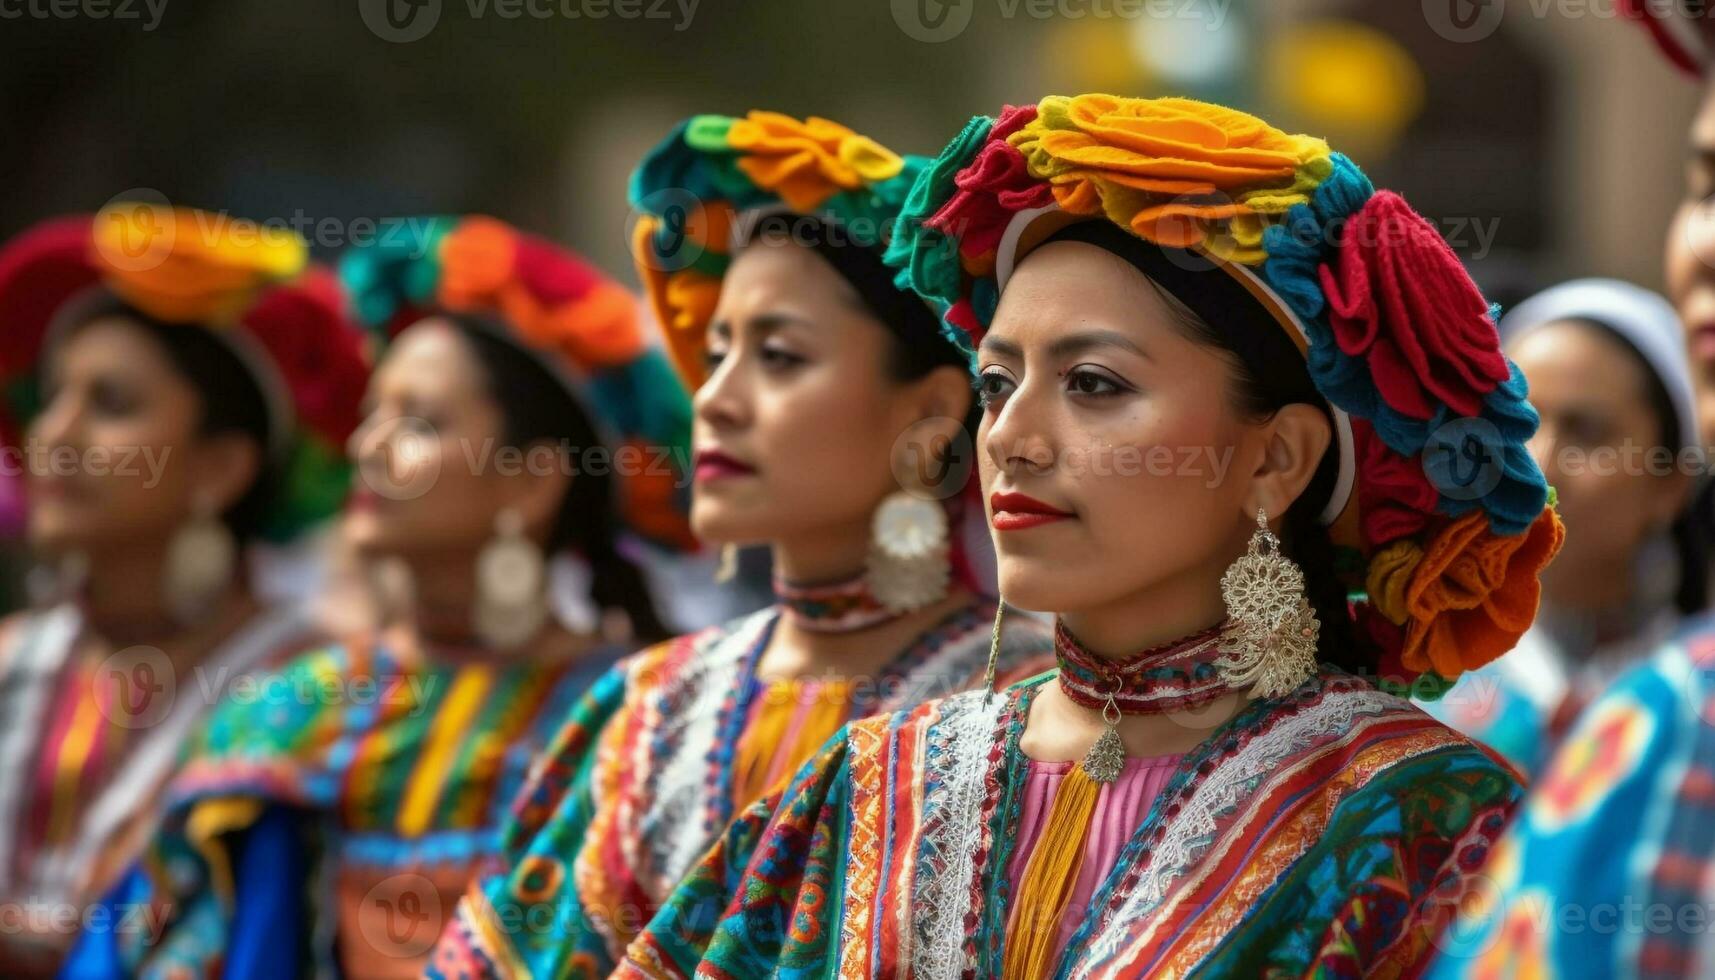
1607 369
830 425
187 384
328 824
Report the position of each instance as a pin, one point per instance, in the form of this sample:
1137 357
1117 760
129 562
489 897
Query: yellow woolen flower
807 162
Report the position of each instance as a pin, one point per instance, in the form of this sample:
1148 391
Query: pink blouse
1121 807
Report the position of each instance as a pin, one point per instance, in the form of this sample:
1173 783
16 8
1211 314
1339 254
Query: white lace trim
947 857
681 795
1186 837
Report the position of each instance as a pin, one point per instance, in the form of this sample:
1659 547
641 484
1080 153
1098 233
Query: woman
177 423
1605 871
329 821
1205 786
822 388
1608 372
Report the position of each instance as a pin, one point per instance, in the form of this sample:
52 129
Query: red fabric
1642 11
318 351
39 271
1399 297
993 187
1395 497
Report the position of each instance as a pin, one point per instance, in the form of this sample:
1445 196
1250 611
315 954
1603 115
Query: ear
223 468
945 392
1293 443
538 492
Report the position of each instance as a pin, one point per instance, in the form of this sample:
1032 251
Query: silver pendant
1106 758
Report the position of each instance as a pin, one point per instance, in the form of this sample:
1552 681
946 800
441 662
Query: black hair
1268 374
1690 545
229 396
537 406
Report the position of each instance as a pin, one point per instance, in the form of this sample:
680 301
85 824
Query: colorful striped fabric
1320 834
643 778
355 790
1610 869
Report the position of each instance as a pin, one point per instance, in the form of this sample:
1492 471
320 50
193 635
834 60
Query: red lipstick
712 464
1017 512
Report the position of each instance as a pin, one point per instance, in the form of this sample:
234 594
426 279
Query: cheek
1690 238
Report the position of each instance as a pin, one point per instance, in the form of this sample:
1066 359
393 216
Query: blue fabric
269 916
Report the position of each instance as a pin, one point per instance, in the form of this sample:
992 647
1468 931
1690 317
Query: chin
718 522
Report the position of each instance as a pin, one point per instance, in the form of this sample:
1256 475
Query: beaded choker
837 607
1181 675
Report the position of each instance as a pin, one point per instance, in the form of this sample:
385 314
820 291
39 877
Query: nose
723 401
59 422
1541 447
1016 440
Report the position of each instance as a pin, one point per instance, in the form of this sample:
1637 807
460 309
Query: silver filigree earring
1271 640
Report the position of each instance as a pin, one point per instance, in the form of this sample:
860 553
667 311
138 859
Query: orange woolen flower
1475 593
187 266
477 259
807 162
1168 168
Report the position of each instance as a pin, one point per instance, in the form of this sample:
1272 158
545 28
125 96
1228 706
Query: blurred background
1544 137
1499 120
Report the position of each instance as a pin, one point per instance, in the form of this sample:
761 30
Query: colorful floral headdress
249 284
696 190
1441 519
583 325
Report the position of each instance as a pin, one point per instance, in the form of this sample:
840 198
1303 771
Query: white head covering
1642 318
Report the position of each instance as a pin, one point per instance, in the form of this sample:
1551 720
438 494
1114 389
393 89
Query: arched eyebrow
762 323
1072 343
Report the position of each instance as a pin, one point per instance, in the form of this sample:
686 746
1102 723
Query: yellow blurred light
1349 82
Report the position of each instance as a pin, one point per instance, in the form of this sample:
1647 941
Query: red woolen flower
1398 297
1395 497
318 352
994 186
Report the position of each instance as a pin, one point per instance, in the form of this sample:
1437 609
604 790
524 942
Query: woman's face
1597 429
1691 262
1113 463
796 425
432 473
115 458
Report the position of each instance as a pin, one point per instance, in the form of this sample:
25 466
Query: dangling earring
994 651
727 570
1271 642
908 567
511 600
200 560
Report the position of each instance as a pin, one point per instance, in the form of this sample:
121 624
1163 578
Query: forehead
1063 285
430 352
773 271
110 342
